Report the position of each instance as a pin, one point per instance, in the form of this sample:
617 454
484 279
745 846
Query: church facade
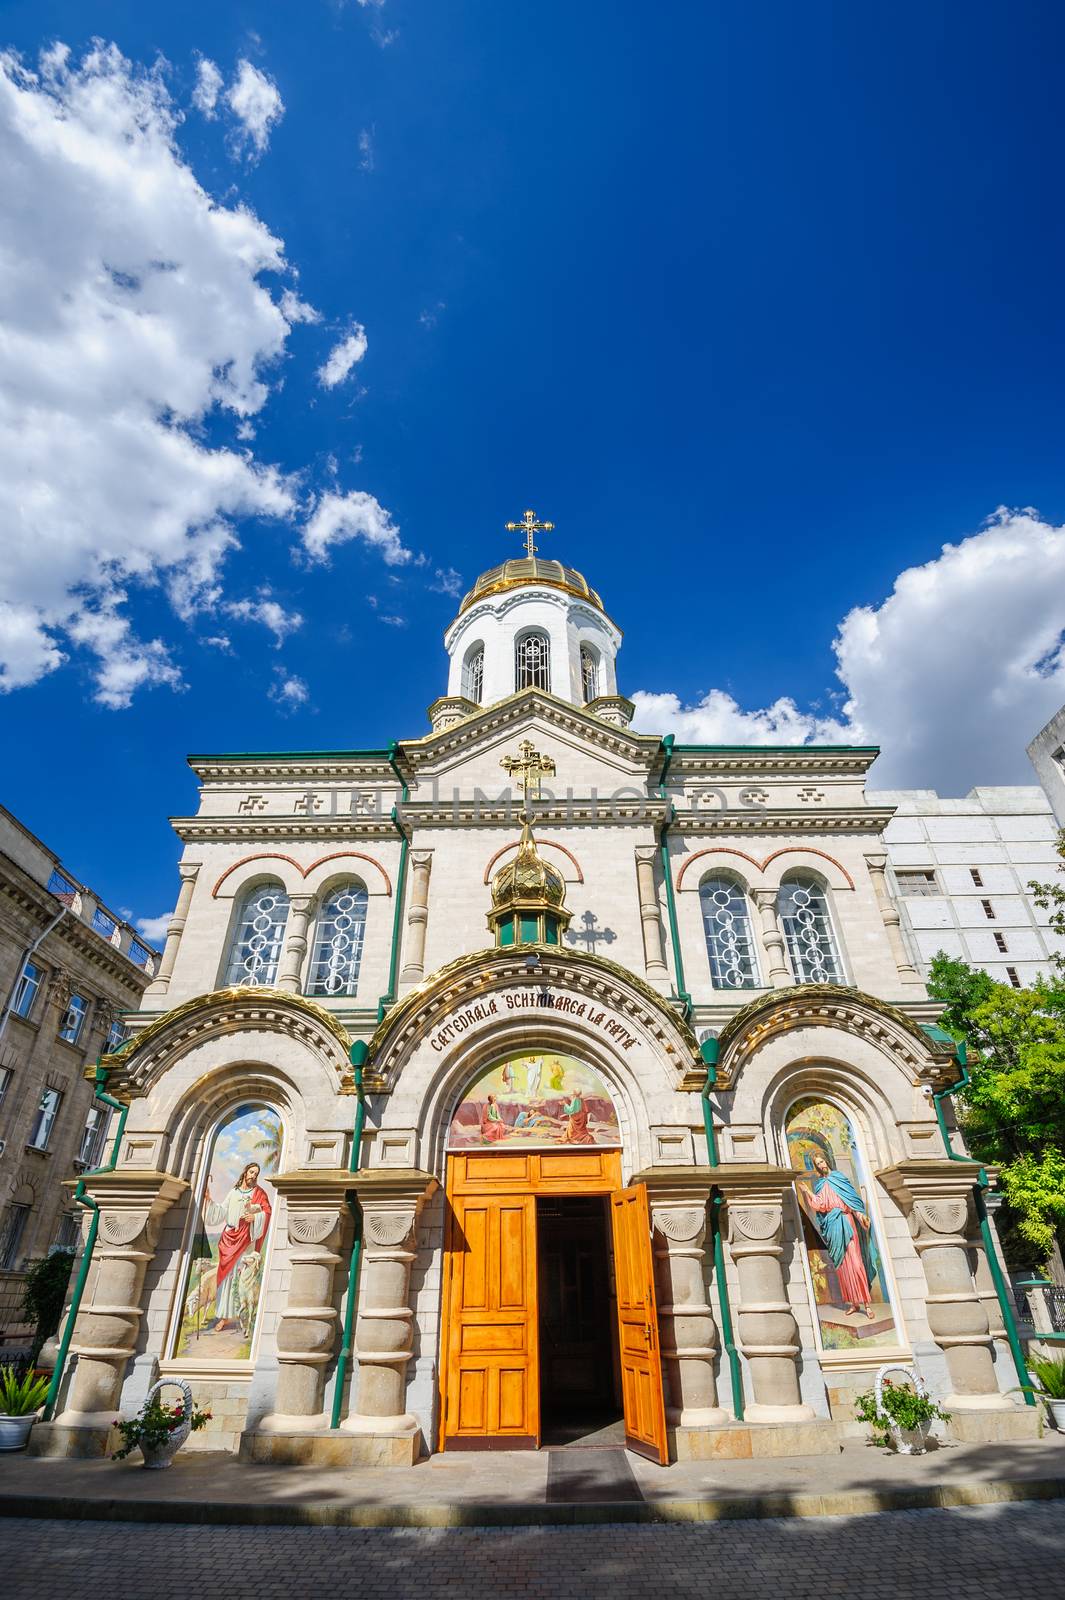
532 1076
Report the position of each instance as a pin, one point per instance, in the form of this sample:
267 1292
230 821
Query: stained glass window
807 926
729 940
259 936
532 662
338 942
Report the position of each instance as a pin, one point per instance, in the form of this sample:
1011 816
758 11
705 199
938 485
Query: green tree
1013 1109
43 1292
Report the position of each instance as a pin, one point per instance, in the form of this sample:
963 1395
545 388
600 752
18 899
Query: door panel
641 1361
491 1351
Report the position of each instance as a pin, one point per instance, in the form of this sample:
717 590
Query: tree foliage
43 1293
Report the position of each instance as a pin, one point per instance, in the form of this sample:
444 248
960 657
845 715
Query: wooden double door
490 1348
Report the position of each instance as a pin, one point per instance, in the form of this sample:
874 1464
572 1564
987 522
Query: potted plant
901 1414
1049 1385
159 1431
22 1394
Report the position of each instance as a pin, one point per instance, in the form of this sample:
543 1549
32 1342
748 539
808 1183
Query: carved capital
760 1224
682 1224
311 1227
945 1217
389 1227
123 1227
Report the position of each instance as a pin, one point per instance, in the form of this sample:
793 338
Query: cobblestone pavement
970 1554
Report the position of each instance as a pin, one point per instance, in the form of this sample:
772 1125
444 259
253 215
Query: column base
1001 1425
58 1441
706 1417
777 1416
740 1442
278 1422
387 1427
331 1449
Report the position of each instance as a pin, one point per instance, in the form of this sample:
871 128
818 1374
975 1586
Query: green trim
359 1052
1008 1320
293 755
388 998
90 1244
667 875
708 1051
781 749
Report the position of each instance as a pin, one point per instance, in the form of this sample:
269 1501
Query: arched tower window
532 662
338 942
589 673
729 941
258 937
473 674
812 949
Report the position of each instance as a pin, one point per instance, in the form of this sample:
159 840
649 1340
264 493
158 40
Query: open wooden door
491 1377
641 1361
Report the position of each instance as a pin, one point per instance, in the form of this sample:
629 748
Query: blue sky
760 305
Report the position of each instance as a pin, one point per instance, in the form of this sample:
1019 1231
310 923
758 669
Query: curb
493 1514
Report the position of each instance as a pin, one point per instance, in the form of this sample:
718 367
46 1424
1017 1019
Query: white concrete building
1047 755
960 871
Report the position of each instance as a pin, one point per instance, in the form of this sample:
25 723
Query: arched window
258 937
532 662
338 942
803 910
473 674
589 673
729 940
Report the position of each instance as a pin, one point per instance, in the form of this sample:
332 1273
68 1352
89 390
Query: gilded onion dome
523 571
528 898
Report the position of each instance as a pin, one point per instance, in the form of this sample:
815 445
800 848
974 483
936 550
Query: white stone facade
1047 755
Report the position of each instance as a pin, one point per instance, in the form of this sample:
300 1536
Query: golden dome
525 570
528 880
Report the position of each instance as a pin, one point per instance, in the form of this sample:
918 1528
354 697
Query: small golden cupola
528 893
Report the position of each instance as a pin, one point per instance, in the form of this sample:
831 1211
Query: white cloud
293 309
208 87
154 928
447 581
952 674
289 692
219 641
126 663
338 518
392 621
366 150
255 101
267 611
343 356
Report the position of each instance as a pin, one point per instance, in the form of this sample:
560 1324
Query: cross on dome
528 767
529 526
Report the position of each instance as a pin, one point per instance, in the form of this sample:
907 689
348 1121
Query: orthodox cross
529 526
528 767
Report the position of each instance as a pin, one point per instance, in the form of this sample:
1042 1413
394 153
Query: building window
68 1233
74 1021
729 941
338 942
977 877
260 934
916 883
117 1035
47 1111
532 662
93 1136
473 675
1011 973
803 912
989 910
26 990
11 1230
5 1079
589 673
1000 942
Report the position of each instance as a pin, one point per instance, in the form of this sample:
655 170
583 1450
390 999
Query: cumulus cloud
339 518
447 581
343 357
255 101
952 674
267 611
288 692
154 928
293 309
208 88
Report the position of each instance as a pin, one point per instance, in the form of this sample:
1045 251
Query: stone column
319 1232
391 1201
291 966
421 863
654 950
986 1292
687 1332
768 1332
131 1205
889 911
936 1197
175 927
779 973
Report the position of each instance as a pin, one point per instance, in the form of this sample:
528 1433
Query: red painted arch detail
554 845
787 850
304 872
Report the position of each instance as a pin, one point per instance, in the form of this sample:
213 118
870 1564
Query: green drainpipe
1008 1320
667 875
708 1049
388 998
358 1054
90 1244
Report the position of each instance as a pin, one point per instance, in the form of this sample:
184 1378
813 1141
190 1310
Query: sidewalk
504 1488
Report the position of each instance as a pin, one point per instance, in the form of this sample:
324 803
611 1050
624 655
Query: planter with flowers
901 1414
159 1431
1048 1373
21 1397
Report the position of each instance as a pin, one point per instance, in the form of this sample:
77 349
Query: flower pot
1057 1412
15 1431
159 1456
911 1441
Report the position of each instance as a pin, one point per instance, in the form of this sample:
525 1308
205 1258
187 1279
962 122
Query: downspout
388 998
358 1054
1008 1320
26 954
90 1243
667 876
709 1049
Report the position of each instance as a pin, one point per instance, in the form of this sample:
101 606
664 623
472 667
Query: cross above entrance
527 768
529 526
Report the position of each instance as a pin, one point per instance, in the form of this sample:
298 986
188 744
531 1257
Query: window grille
808 930
68 1233
589 673
729 941
532 662
11 1230
338 942
26 991
473 675
260 934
